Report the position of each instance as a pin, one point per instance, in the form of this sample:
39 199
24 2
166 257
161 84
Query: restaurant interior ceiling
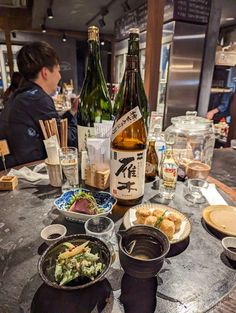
77 15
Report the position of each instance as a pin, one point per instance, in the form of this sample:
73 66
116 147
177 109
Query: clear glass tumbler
195 186
69 168
101 227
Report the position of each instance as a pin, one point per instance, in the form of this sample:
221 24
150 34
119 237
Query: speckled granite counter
194 278
224 166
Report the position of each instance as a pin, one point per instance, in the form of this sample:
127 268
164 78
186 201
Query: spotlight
102 43
126 7
102 22
43 28
64 38
49 13
13 34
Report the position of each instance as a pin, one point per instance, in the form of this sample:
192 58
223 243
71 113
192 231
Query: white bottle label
125 121
83 133
127 174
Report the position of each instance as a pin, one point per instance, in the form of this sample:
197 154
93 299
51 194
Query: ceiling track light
43 28
64 38
126 7
49 13
101 22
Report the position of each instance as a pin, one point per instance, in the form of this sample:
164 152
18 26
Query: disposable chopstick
63 132
43 129
66 131
48 129
56 130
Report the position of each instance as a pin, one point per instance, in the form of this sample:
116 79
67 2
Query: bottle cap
93 33
134 31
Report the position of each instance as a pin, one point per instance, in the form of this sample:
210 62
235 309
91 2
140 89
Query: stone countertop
194 278
224 166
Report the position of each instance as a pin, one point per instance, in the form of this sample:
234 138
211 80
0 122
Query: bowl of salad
81 204
74 262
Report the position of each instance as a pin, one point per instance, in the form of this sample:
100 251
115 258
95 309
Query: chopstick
64 133
49 128
43 129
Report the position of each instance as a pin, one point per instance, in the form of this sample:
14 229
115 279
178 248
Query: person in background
16 81
19 120
223 108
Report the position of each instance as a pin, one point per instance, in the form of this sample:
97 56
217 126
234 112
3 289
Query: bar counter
196 276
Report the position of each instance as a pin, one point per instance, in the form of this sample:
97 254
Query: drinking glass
101 227
195 186
69 168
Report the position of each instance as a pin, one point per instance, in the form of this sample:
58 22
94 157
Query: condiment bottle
168 170
151 162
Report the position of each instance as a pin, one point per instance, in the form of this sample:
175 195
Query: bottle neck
94 54
133 44
169 148
130 83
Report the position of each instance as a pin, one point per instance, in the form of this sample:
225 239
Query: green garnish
160 219
85 195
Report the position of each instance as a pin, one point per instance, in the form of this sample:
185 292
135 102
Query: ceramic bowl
142 250
53 233
104 200
47 262
229 242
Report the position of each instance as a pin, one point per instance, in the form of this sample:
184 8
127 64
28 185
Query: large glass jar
194 143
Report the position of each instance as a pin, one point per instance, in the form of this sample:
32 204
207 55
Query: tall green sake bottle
95 104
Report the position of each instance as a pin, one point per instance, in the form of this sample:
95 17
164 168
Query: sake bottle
133 49
95 104
128 146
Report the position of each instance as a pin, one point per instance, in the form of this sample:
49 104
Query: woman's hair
34 56
17 81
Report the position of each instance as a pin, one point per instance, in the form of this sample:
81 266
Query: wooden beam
15 18
9 51
153 51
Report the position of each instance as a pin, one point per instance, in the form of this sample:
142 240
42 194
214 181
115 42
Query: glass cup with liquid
195 187
69 168
101 227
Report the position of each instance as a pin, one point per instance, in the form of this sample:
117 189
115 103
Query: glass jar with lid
194 144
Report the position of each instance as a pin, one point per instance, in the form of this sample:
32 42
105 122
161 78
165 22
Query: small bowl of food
229 246
74 262
81 204
53 233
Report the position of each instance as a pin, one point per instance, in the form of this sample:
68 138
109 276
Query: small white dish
229 246
53 233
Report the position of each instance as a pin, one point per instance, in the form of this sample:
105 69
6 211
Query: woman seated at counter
19 121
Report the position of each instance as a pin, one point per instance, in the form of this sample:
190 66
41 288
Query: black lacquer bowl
142 250
47 262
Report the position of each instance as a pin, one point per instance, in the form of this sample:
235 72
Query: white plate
185 229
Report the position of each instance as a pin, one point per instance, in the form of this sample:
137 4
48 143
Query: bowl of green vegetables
75 262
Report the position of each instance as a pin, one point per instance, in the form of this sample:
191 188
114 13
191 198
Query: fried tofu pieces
168 222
